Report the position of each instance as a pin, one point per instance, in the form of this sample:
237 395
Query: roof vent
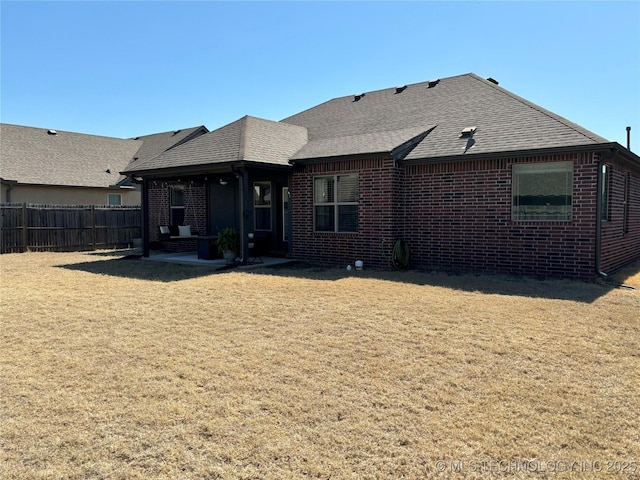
468 132
492 80
177 132
52 132
433 83
358 97
401 89
136 138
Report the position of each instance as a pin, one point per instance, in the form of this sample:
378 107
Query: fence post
25 232
93 227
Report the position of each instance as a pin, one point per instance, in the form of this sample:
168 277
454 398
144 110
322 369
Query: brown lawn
124 369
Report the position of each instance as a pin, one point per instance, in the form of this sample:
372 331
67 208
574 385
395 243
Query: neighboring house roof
47 157
39 156
154 144
248 139
503 121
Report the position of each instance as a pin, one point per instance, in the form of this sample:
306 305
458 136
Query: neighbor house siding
458 217
67 195
378 214
620 241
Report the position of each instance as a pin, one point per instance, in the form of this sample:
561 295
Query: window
542 191
604 193
262 205
115 199
335 202
177 205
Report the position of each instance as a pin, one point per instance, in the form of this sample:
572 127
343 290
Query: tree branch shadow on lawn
132 266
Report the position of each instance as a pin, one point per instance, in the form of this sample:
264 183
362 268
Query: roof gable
248 139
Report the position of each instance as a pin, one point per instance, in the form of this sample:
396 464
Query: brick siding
195 211
457 217
619 247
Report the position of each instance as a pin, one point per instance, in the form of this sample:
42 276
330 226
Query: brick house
470 176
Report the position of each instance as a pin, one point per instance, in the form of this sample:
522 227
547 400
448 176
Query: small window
262 205
335 201
115 199
177 205
604 192
542 192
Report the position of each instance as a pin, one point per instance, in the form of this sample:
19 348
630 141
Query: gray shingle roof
248 139
154 144
504 121
31 155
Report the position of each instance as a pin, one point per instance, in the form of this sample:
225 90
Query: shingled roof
413 122
503 121
248 140
54 157
156 143
40 156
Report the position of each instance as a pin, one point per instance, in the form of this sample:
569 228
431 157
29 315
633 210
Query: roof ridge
242 141
558 118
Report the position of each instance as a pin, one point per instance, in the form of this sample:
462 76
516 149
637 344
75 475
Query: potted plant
228 243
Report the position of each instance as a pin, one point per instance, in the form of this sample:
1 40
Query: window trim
335 203
520 169
605 193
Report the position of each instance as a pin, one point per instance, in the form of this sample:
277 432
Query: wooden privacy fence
26 226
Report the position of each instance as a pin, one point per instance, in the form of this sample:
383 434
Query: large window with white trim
542 191
335 203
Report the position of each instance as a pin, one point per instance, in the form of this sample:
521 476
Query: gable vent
358 97
52 132
401 89
433 83
468 132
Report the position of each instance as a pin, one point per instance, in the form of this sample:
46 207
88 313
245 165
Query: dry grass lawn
128 369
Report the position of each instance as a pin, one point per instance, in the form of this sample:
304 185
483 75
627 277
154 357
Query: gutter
614 153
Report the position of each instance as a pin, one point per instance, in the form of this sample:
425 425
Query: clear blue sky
125 69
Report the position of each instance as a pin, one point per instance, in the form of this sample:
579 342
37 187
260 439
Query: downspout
10 184
601 162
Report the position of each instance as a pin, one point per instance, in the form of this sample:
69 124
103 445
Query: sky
125 69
